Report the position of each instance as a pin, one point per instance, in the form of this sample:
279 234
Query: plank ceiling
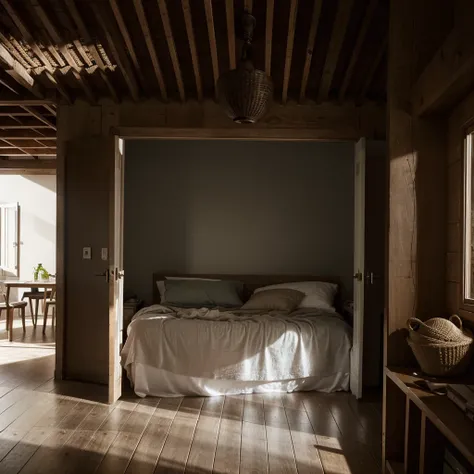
175 50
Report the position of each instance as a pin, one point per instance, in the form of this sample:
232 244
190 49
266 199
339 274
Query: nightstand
130 307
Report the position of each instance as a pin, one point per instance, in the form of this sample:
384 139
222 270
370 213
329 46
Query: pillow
161 285
318 294
281 299
204 293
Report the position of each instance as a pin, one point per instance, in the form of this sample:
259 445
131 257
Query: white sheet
172 351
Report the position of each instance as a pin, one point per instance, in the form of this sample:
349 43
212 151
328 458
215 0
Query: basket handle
414 324
456 320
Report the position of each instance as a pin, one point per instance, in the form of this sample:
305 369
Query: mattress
176 351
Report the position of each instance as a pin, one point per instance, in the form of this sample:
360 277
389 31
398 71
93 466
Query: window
9 239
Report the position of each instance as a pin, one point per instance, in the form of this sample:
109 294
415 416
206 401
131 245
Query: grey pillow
279 299
203 293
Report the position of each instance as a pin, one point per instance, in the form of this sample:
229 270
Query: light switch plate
104 253
86 253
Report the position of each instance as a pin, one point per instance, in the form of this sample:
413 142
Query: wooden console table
419 425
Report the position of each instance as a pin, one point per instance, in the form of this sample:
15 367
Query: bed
172 351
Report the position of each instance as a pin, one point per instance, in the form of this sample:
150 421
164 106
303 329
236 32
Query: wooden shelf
395 467
442 412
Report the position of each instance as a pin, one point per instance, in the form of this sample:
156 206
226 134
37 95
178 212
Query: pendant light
245 92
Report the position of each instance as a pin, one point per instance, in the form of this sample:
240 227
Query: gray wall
237 207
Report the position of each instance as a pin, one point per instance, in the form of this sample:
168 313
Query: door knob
119 274
358 276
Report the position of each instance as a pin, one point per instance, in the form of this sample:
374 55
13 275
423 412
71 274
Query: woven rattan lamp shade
245 93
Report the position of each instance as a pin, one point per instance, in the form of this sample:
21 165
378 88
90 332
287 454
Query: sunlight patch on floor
35 344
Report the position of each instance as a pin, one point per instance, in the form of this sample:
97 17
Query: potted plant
40 272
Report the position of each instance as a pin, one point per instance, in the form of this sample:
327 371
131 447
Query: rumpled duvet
239 345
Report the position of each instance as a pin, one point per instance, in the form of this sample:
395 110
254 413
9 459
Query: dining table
9 284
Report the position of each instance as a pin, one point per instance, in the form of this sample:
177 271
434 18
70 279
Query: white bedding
174 351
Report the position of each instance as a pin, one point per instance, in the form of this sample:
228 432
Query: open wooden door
93 262
370 200
359 269
116 280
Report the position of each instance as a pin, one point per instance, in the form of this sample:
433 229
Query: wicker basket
442 347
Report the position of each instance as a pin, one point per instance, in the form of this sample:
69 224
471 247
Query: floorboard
203 450
66 428
230 436
176 450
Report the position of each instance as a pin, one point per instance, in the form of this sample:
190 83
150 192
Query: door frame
357 352
140 133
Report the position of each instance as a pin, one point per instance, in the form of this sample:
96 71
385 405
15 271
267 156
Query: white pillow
318 294
161 284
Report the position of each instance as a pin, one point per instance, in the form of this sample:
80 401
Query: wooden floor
48 427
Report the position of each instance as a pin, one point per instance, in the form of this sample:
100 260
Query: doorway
27 250
103 273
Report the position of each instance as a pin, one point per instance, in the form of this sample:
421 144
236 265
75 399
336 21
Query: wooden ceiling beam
73 67
110 86
18 72
49 109
128 40
12 45
269 36
229 12
21 55
343 16
18 126
54 34
8 82
373 68
25 32
28 165
113 40
188 20
84 32
15 149
20 102
28 134
68 25
448 76
38 116
81 80
310 46
165 18
53 78
27 143
27 122
289 48
16 114
212 42
151 47
291 122
369 13
47 71
29 152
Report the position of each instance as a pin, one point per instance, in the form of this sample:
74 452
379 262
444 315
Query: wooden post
417 152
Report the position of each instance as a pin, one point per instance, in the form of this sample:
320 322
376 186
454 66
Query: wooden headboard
251 282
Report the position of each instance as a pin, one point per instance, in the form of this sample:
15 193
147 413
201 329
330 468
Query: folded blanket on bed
239 345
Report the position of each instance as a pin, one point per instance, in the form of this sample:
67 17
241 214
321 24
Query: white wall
36 195
237 207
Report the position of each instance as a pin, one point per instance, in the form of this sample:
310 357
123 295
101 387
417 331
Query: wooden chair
19 305
35 296
51 301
